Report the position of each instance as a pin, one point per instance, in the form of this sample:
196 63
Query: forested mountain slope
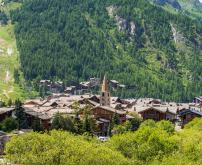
192 8
135 42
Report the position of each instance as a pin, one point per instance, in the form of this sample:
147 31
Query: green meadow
9 60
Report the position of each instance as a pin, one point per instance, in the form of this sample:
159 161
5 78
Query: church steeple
105 87
105 94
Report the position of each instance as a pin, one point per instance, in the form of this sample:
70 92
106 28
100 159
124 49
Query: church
103 112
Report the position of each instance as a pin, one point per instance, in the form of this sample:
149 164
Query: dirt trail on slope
1 41
7 78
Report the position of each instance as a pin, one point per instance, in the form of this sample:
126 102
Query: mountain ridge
191 8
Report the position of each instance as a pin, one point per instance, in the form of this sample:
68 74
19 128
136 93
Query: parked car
103 138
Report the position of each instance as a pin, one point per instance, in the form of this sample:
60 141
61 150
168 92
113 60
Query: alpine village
113 82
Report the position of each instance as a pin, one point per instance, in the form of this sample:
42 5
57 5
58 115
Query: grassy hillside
9 58
135 42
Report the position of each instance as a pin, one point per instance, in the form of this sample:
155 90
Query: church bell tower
105 94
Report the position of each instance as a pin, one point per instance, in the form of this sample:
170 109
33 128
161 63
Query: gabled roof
92 102
188 111
114 81
5 110
110 109
36 114
34 102
161 109
104 120
199 98
128 117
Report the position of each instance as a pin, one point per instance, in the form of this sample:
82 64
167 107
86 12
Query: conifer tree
77 124
20 115
9 102
58 122
109 130
69 124
8 124
37 126
89 124
115 119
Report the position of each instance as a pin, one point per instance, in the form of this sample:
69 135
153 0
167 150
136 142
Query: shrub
9 124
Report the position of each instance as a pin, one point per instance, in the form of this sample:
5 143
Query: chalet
32 114
155 101
121 86
45 114
197 100
188 115
143 101
57 87
90 84
125 101
70 90
94 82
158 113
45 82
114 83
105 112
85 85
6 112
53 87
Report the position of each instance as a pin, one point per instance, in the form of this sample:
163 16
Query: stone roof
103 120
46 113
162 109
188 111
45 109
5 110
199 98
37 114
128 117
114 81
110 109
